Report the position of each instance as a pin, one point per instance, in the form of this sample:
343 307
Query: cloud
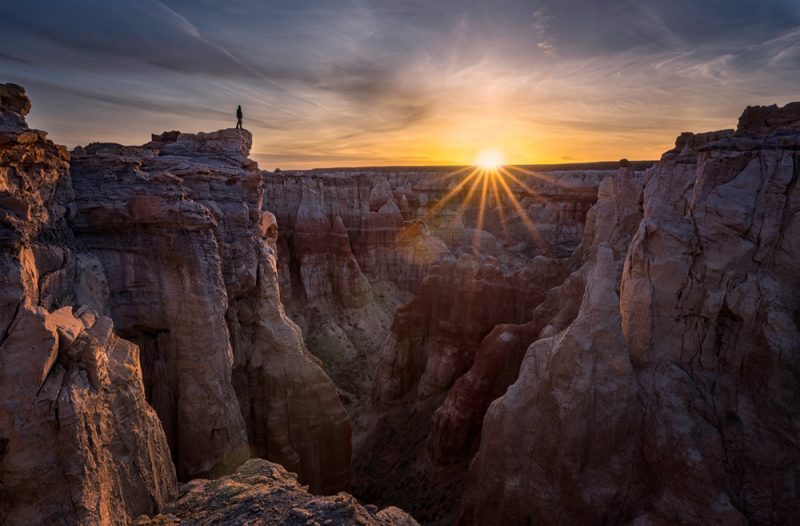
541 29
383 80
11 58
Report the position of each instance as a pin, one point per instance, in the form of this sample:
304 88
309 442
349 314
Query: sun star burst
490 159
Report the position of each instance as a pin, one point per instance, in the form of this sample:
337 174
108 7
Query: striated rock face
554 297
262 493
434 337
347 261
353 247
191 264
457 345
78 442
167 293
672 395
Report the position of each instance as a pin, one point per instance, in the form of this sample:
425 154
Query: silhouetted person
239 118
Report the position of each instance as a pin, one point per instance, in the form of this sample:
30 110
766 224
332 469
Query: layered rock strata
396 277
457 347
78 442
191 264
355 246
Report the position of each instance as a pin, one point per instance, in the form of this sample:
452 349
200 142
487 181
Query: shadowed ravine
537 345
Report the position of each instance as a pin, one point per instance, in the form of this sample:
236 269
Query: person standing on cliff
239 118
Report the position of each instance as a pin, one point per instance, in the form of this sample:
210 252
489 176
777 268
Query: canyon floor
188 339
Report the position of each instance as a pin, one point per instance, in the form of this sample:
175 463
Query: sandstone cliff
167 246
454 349
672 396
78 442
191 264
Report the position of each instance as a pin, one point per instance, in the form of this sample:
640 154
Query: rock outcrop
167 246
672 396
78 442
553 297
396 276
191 262
261 493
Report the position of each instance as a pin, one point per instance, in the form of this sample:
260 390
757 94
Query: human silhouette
239 118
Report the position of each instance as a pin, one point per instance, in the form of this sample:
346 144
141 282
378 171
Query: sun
489 159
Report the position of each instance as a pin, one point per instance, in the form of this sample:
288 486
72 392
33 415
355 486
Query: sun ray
454 173
471 192
522 184
476 239
523 215
454 191
500 208
536 175
493 182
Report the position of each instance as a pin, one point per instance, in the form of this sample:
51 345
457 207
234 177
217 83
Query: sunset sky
402 82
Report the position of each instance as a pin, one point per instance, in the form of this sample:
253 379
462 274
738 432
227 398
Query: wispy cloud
541 31
375 81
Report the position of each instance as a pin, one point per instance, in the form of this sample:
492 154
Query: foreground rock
78 442
262 493
672 397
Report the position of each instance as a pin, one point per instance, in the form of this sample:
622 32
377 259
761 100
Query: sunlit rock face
78 442
191 263
672 396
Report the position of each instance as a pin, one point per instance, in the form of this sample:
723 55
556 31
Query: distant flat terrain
596 165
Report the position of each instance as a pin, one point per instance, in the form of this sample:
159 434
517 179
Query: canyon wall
78 442
672 396
400 278
354 246
191 263
158 255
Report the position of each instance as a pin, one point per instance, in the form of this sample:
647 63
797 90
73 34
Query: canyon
186 337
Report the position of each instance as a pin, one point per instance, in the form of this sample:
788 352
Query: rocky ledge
261 493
